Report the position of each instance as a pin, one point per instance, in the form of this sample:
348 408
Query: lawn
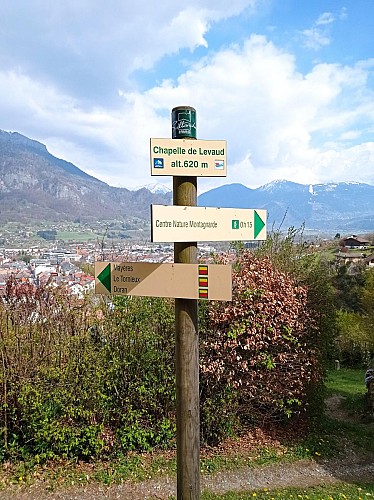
346 381
341 491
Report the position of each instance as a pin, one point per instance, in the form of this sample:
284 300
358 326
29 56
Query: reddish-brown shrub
263 344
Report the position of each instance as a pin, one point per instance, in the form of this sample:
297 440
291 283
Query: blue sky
288 83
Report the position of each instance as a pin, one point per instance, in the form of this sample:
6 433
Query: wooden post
186 336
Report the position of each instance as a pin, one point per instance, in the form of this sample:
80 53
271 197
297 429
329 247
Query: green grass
331 439
358 428
133 467
347 382
76 236
341 491
350 384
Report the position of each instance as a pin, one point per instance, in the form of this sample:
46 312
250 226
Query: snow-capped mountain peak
155 188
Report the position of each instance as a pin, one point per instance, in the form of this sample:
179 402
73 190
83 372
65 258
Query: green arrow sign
105 278
258 223
184 223
152 279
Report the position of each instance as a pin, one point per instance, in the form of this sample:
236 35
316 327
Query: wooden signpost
187 281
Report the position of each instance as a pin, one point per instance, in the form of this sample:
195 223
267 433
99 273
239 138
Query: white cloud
343 14
325 18
269 113
314 38
351 164
89 48
350 135
278 122
319 34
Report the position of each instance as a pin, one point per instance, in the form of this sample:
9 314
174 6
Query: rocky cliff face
35 184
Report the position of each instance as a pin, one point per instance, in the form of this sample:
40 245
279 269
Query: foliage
270 346
311 269
355 339
86 267
367 307
331 439
264 344
47 234
93 378
348 283
81 380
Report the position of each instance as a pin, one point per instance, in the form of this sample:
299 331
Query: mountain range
343 206
35 185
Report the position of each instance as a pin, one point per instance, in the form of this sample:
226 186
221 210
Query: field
77 236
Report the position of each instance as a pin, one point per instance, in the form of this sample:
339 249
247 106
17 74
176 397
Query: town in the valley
41 256
64 255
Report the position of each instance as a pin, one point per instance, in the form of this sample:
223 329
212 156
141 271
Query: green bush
219 413
81 379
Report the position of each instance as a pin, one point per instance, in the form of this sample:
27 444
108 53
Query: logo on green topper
183 123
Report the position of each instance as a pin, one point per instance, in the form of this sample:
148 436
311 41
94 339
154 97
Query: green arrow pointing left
259 225
105 278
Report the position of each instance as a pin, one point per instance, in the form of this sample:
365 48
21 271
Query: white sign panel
182 157
182 223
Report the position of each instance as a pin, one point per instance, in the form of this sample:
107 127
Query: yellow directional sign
185 281
183 223
188 157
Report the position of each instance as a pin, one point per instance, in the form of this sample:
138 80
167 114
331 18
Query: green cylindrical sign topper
183 120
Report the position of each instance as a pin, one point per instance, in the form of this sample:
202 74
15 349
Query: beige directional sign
181 223
185 281
180 157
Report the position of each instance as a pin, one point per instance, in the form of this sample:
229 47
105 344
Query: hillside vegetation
95 379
